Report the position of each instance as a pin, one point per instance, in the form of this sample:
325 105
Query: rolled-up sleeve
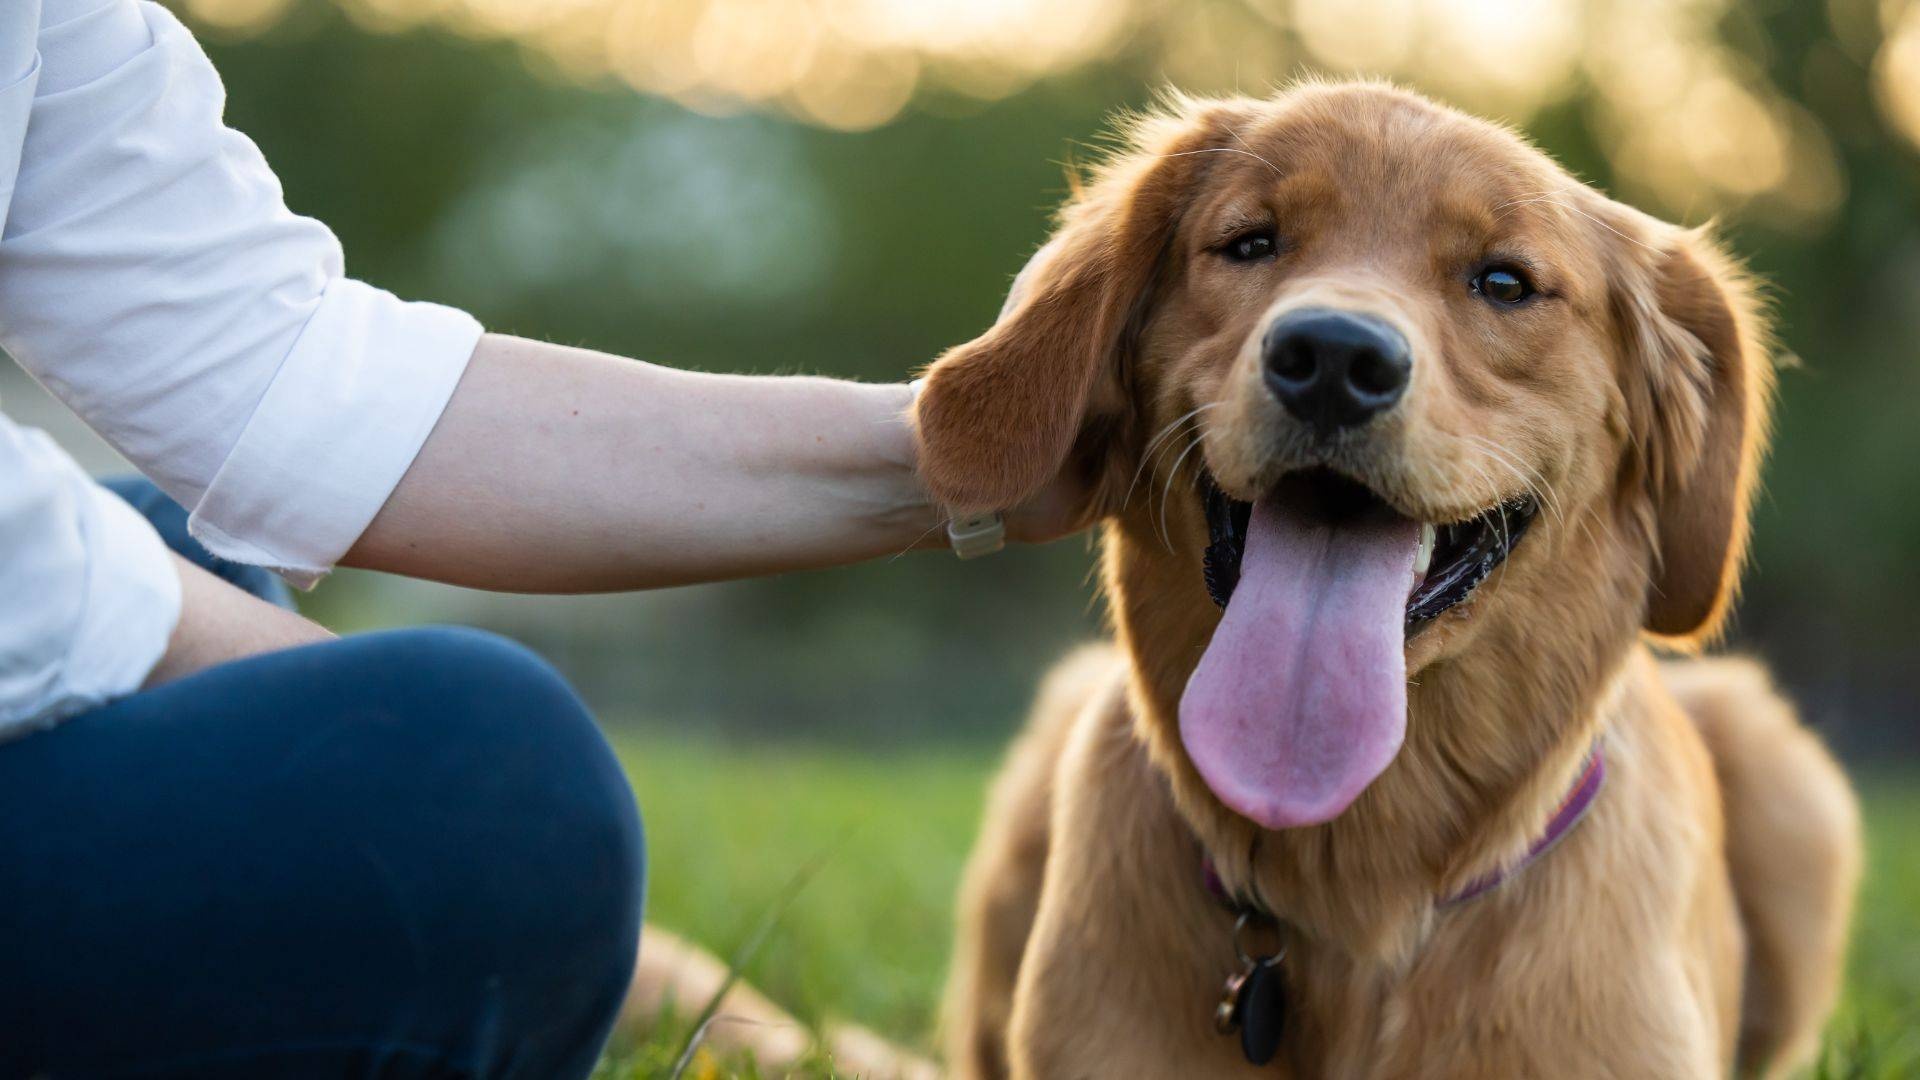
92 595
152 277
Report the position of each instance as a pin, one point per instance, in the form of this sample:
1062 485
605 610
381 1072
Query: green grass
1877 1031
866 938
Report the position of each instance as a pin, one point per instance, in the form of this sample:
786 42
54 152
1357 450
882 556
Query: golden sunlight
1685 120
1896 71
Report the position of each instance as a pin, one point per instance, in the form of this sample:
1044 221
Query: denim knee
411 844
524 754
519 720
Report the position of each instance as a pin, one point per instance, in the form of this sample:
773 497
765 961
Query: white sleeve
152 277
91 594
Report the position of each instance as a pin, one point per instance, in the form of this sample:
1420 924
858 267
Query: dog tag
1262 1012
1226 1015
1254 1002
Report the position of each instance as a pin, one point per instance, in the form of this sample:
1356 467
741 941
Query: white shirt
153 279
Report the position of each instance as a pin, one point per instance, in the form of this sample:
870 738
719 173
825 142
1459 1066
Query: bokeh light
1687 121
1896 71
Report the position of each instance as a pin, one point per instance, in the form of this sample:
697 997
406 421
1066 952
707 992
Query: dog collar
1254 1003
1571 811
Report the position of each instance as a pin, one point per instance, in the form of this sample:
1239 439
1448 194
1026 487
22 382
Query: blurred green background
847 186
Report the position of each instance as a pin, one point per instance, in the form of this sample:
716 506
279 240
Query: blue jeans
401 854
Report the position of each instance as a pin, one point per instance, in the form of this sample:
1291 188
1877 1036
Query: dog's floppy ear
999 415
1698 413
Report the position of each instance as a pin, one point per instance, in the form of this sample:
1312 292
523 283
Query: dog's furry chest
1548 966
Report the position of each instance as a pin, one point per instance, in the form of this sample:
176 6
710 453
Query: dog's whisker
1223 150
1529 199
1498 498
1528 477
1184 417
1146 462
1150 453
1506 527
1543 491
1236 138
916 540
1495 495
1595 541
1506 541
1557 199
1166 492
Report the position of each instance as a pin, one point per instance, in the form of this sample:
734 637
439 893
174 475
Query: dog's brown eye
1251 247
1502 284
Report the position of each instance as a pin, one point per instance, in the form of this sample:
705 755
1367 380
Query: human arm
152 277
96 605
557 469
710 476
90 597
219 622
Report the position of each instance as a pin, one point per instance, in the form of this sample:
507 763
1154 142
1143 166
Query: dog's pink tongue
1301 699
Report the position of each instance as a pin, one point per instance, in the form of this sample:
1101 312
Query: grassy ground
866 938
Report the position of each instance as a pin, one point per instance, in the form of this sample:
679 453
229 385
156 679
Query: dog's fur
1694 920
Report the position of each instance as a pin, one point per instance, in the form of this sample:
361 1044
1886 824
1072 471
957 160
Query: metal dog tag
1262 1007
1254 1001
1226 1015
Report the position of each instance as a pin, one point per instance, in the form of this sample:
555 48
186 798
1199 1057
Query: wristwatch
977 534
972 535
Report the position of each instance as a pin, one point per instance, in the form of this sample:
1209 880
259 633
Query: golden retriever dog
1407 445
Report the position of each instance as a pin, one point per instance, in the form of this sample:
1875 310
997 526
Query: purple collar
1573 807
1254 1003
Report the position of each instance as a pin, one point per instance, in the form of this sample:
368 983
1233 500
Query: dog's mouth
1450 561
1300 699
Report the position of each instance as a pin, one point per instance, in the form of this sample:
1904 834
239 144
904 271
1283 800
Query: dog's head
1387 385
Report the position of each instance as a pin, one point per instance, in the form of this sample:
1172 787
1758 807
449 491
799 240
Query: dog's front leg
1129 951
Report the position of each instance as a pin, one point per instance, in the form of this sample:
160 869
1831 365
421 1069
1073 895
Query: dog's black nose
1335 369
